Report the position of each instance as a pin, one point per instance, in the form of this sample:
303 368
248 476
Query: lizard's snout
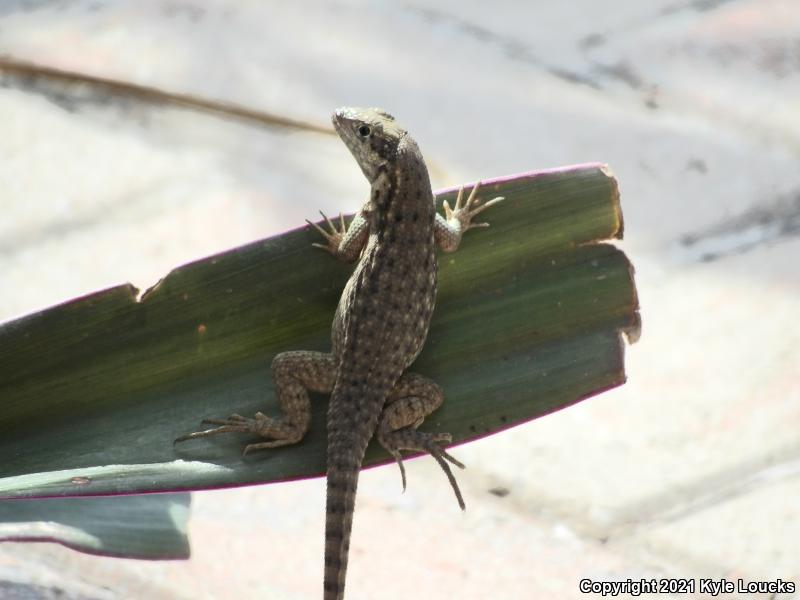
340 116
342 113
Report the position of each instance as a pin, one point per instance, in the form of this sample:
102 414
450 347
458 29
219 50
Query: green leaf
528 321
148 527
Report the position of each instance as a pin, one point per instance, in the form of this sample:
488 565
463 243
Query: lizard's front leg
294 375
413 398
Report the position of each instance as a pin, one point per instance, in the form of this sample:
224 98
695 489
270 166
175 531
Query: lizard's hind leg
413 398
294 375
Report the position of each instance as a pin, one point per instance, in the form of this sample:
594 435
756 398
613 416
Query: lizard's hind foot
282 433
412 440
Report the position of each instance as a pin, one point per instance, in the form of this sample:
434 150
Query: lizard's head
371 134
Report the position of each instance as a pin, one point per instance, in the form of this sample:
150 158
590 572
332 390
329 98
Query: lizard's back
383 315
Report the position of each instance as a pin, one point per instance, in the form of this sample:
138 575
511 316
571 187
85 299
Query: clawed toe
225 426
282 434
334 235
399 458
233 421
417 441
436 449
465 211
440 456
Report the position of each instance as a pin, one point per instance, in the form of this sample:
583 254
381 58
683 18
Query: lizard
378 329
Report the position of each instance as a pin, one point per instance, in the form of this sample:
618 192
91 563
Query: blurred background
690 470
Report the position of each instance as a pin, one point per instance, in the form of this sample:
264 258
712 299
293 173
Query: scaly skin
378 329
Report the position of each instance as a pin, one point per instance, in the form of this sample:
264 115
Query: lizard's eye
364 131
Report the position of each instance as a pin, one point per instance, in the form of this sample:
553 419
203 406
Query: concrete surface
688 471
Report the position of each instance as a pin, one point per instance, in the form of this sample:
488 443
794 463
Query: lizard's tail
352 419
338 523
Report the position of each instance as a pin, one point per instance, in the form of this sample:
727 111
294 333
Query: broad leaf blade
527 321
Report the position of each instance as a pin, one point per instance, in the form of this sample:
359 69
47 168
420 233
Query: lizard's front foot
409 438
333 237
282 433
464 212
